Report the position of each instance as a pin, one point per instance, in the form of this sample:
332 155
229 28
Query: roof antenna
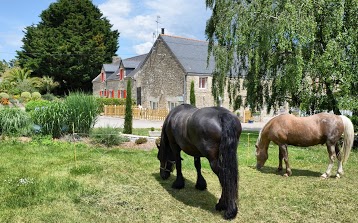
157 21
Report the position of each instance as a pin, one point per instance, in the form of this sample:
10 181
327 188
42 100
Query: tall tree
192 94
128 117
300 52
70 44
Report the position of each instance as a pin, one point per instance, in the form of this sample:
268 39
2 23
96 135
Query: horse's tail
348 137
228 163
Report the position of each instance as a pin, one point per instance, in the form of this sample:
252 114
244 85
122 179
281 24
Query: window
111 94
102 77
154 105
172 105
203 82
121 74
122 93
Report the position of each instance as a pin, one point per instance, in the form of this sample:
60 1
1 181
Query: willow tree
300 52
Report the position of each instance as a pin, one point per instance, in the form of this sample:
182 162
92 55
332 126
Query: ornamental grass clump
51 119
83 110
15 122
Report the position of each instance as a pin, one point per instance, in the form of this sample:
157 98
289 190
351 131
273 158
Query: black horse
211 132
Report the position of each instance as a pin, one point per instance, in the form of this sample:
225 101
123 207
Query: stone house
112 82
164 77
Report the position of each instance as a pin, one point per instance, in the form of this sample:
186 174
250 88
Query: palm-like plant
48 83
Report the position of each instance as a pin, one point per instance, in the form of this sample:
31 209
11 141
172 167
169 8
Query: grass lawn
42 181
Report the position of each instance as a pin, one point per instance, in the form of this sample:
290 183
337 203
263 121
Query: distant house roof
133 62
191 54
112 70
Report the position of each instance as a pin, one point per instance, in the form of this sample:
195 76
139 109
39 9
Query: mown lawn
42 181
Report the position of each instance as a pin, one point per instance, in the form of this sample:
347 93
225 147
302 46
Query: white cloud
136 20
143 47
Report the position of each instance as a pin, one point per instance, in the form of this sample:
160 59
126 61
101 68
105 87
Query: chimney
162 31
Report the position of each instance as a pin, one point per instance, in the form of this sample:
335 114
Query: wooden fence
138 113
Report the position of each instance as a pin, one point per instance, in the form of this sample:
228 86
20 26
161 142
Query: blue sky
134 19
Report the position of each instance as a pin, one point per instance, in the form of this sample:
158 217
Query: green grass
41 181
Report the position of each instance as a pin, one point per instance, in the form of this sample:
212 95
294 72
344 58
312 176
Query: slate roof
191 54
133 62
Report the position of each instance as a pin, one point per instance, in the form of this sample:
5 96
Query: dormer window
103 77
121 74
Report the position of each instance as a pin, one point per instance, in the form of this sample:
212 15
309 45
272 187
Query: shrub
83 110
37 104
52 119
14 121
36 95
354 119
107 136
49 97
4 95
141 140
26 96
110 101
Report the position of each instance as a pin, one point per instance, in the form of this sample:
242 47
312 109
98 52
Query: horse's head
166 160
261 156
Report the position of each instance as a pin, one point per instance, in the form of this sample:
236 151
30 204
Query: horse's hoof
200 186
230 214
219 206
324 176
178 184
339 175
285 175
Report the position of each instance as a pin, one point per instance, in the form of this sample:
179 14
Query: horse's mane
263 128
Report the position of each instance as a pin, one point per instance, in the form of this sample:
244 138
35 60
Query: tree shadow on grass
189 195
295 172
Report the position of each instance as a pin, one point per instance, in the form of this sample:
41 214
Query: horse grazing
322 128
211 132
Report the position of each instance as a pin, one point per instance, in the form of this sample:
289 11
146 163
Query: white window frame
203 82
154 105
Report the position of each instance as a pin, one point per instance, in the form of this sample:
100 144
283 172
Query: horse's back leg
284 155
331 157
220 205
339 158
200 182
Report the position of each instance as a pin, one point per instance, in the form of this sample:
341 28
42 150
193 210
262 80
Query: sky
136 21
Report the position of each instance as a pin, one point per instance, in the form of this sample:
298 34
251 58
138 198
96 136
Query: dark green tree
300 52
128 118
192 94
70 44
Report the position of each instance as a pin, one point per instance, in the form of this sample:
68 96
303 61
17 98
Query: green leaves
69 44
300 52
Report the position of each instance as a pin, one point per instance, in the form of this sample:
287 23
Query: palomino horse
322 128
211 132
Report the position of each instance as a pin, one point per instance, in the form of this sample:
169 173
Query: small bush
37 104
36 95
26 96
4 95
14 121
107 136
141 140
49 97
157 141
